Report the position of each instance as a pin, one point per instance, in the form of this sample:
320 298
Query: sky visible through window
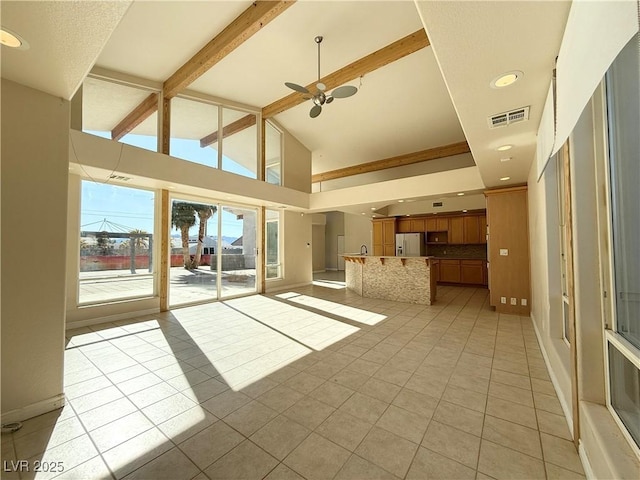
133 208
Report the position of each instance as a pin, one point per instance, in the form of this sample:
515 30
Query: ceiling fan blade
315 111
344 91
296 87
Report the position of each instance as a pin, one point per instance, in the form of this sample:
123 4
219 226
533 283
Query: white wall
35 132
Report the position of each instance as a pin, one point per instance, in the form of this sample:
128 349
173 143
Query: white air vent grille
507 118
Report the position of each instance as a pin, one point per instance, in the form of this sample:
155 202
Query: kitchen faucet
365 250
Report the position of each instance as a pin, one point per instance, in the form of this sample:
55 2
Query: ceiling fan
320 97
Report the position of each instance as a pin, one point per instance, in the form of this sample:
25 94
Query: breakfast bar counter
402 279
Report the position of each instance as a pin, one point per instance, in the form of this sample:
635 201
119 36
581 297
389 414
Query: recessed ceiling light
12 39
400 201
461 194
407 215
505 178
504 148
506 79
373 208
505 159
464 211
363 213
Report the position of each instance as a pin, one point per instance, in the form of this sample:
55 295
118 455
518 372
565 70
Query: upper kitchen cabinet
418 225
384 237
471 229
404 226
456 230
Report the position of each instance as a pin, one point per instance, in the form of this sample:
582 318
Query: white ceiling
436 96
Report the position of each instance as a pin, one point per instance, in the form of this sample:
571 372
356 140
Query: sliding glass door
213 251
238 252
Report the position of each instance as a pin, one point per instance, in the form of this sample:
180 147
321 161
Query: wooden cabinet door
389 236
482 220
417 225
450 271
442 224
404 225
378 247
471 272
431 224
471 229
456 230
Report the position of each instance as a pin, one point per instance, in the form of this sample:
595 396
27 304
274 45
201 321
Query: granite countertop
382 256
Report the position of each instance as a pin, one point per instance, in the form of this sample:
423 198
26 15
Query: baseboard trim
35 409
568 414
111 318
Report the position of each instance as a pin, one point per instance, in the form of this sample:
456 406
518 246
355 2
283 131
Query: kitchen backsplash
458 251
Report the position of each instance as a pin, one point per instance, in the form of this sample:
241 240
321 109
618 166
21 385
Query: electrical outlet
523 302
514 301
503 300
504 252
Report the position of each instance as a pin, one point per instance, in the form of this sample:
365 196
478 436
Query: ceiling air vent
507 118
437 204
119 177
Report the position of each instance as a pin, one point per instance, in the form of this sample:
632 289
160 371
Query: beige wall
357 232
35 132
334 228
318 243
296 164
297 261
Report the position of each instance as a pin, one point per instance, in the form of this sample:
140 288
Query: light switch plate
514 301
504 252
503 300
523 302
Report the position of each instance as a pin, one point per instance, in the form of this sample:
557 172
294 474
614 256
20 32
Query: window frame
280 264
611 338
154 252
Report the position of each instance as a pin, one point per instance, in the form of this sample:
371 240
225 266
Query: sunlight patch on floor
350 313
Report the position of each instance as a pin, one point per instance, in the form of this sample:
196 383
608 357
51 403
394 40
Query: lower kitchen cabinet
465 272
450 271
471 272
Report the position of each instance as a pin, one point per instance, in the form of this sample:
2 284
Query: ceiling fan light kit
321 98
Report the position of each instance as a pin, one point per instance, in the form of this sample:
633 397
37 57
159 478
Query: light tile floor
316 383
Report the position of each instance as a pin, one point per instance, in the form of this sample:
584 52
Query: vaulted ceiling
436 96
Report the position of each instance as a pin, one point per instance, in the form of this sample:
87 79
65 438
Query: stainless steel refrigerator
410 245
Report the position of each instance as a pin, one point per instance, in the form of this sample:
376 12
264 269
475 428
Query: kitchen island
402 279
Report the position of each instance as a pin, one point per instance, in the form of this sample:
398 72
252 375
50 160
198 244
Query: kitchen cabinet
456 230
471 272
417 225
442 224
471 230
384 237
450 271
431 223
404 226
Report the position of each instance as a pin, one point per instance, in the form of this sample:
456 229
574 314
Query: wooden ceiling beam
259 14
234 127
399 161
237 32
395 51
138 115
